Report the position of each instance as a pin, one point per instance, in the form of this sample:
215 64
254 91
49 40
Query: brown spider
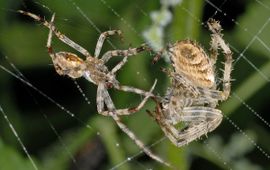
193 95
94 70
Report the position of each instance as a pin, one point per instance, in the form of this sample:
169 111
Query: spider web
239 101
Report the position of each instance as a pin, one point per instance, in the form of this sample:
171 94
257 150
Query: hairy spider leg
138 142
129 111
215 28
129 52
57 33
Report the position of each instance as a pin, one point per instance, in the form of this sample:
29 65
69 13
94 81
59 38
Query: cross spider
94 70
193 95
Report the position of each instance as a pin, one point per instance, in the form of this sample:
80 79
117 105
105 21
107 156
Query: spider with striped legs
188 109
94 70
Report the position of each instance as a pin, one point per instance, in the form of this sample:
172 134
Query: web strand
44 115
46 96
18 138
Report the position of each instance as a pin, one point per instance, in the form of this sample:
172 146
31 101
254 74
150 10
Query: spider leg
102 38
210 93
138 142
215 28
57 33
200 113
129 111
103 96
133 90
227 75
201 120
49 41
119 65
213 49
114 114
100 98
162 52
196 130
108 101
169 130
191 132
158 55
129 52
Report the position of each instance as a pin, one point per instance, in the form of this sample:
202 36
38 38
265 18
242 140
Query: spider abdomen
190 60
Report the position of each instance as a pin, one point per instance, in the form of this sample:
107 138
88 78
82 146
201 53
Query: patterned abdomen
190 60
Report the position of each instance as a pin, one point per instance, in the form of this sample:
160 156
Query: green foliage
12 159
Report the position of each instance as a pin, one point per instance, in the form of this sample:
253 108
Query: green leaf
11 159
185 21
253 29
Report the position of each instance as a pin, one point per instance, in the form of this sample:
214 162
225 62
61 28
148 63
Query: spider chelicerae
94 70
188 109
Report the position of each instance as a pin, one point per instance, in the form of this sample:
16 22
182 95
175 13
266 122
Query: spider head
190 60
68 64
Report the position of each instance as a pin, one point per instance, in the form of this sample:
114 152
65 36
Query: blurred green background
56 140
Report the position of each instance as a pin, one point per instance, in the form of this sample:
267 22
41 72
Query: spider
188 109
94 70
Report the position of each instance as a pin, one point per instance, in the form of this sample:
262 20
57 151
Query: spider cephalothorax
188 109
